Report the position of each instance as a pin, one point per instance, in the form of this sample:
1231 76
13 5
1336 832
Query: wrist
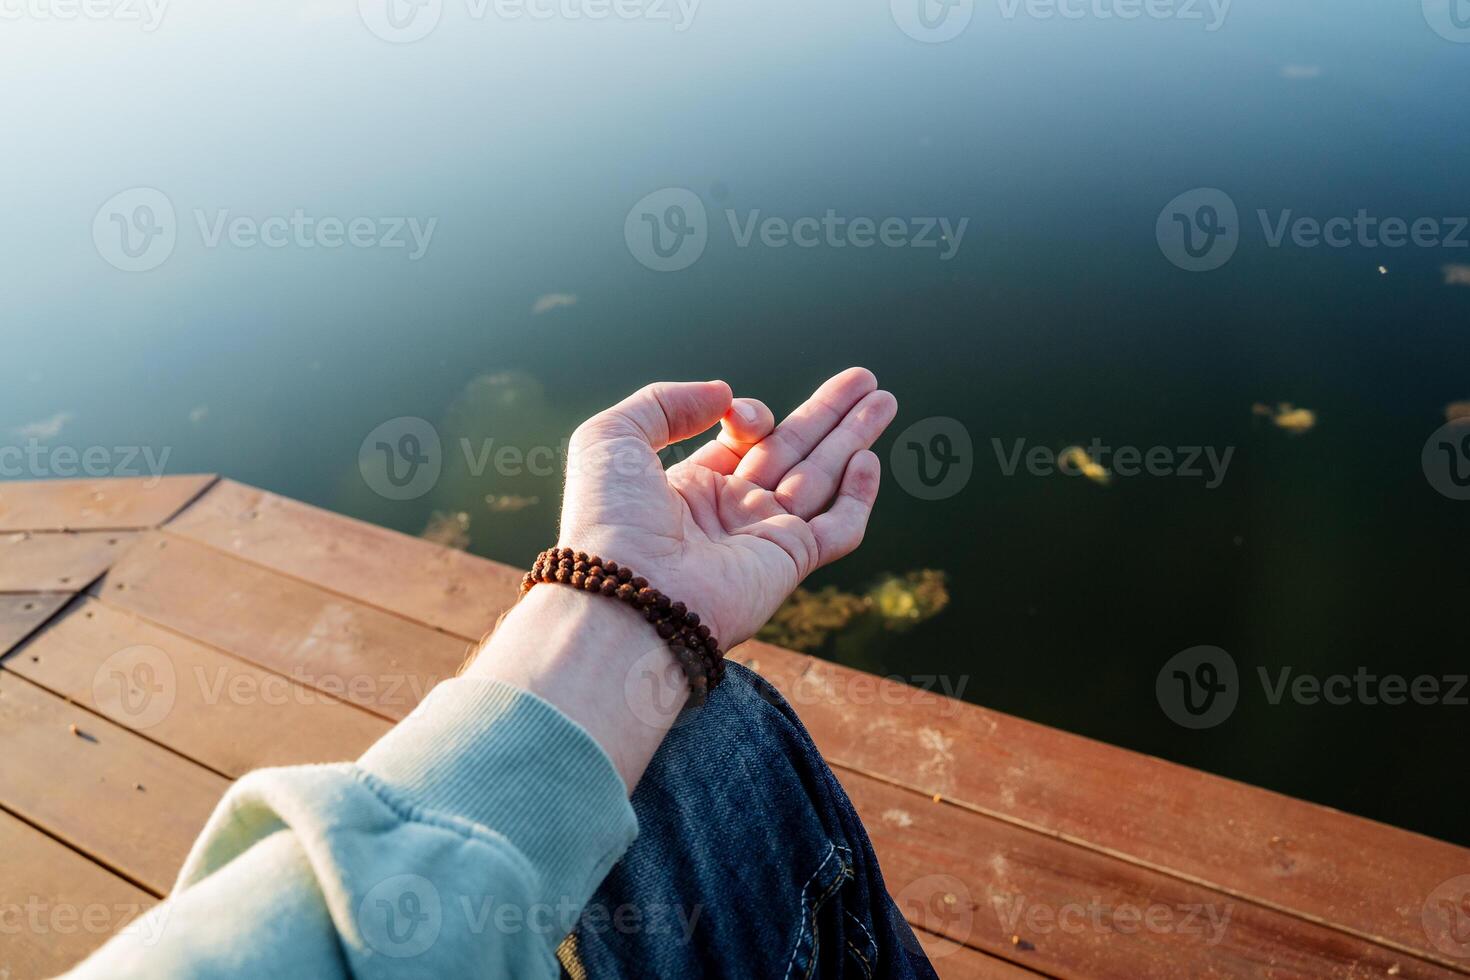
598 661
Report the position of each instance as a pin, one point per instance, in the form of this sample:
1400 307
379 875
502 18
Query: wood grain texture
55 905
80 505
1366 877
440 587
57 561
20 614
1068 911
1239 838
81 786
318 638
209 706
953 961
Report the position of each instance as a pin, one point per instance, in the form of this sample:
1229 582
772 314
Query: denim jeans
750 861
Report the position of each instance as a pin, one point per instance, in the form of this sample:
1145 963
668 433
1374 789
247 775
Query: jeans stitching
867 967
872 944
842 878
791 961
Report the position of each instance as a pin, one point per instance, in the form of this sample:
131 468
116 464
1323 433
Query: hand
733 529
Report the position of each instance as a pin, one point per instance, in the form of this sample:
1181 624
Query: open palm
733 529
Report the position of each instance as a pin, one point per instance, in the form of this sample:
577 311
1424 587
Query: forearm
485 806
596 660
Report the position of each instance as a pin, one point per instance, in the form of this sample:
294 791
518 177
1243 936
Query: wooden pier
160 638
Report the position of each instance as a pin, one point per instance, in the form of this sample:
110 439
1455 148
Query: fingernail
747 412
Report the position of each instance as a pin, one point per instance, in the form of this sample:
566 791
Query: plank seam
69 845
101 599
1088 846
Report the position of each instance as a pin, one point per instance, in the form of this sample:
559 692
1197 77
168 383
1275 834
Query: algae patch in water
452 530
807 619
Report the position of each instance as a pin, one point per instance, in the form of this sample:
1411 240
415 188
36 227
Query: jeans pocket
833 871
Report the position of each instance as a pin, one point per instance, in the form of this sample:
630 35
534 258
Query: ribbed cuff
507 760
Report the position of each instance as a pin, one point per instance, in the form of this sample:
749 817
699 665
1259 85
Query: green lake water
1061 314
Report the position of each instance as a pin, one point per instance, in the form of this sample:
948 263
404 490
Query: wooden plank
953 961
441 587
318 638
1236 837
55 905
209 706
1069 911
60 562
1362 876
79 505
20 614
82 787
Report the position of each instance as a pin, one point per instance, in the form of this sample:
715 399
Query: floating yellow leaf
1081 462
1288 417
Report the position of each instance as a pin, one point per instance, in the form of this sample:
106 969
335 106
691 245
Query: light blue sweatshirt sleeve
463 844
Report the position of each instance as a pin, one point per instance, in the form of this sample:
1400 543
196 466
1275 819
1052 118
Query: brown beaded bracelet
697 651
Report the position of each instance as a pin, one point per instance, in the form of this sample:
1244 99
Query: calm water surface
1057 319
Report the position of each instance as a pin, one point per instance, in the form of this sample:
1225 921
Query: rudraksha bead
689 639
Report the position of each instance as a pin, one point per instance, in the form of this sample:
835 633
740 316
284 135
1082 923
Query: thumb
665 412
